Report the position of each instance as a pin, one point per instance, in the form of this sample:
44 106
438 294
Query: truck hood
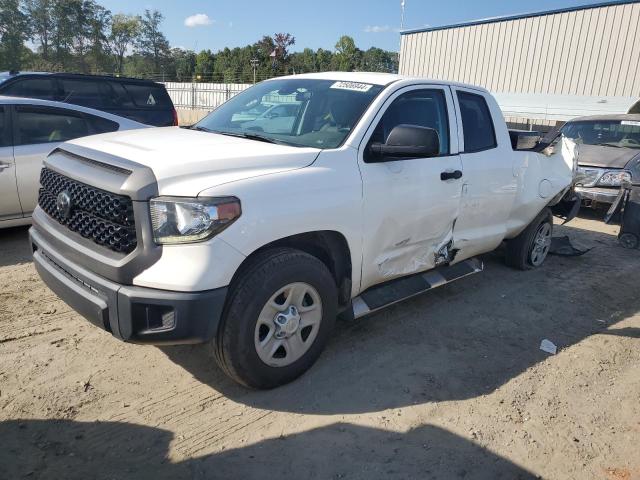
605 157
185 162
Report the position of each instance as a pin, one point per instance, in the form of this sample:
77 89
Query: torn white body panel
540 179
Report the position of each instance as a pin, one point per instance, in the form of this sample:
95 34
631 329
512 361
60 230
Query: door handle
4 166
455 175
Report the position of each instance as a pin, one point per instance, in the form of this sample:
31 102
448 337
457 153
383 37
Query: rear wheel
530 248
280 313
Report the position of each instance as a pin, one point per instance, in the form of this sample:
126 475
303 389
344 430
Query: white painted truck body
373 222
286 191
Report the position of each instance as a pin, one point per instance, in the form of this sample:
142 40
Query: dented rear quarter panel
540 178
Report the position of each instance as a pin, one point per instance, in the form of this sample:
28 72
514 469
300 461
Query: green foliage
14 30
124 32
82 36
151 43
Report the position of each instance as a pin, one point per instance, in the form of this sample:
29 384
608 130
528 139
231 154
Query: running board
388 293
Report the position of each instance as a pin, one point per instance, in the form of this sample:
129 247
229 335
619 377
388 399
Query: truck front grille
104 217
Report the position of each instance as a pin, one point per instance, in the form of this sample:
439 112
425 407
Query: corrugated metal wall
591 52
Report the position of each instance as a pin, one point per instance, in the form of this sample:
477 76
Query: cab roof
375 78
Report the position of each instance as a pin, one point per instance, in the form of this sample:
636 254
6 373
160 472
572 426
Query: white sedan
29 130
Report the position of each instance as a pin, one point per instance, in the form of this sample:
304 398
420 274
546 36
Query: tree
185 64
204 65
99 20
14 31
152 43
40 14
346 54
124 34
283 41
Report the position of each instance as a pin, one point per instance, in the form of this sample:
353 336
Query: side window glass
4 130
79 92
477 124
102 125
120 97
42 88
48 125
423 108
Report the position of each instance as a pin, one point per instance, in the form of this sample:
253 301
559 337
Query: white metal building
545 66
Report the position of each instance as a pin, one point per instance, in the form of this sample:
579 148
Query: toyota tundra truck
359 191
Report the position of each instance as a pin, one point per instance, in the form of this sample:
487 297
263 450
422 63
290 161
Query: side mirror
405 142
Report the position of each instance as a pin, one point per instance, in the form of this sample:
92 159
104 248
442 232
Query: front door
9 201
410 208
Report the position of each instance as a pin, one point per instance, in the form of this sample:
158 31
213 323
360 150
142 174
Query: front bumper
598 194
130 313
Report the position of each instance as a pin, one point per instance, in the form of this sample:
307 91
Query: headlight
188 220
614 178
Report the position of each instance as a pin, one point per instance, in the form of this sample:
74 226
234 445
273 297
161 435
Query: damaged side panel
408 219
543 179
409 256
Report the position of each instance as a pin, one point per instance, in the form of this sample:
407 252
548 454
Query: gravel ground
451 384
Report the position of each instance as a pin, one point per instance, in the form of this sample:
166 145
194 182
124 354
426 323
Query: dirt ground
451 384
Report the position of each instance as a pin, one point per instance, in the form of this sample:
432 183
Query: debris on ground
563 246
548 346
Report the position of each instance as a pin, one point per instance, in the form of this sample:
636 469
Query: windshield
298 112
4 76
610 133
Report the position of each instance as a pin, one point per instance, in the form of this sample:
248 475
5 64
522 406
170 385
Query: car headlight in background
614 178
188 220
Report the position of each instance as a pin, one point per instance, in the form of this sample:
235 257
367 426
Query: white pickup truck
254 235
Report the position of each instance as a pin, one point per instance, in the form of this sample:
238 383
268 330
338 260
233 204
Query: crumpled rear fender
544 178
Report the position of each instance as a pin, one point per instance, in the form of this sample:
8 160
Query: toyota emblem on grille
63 204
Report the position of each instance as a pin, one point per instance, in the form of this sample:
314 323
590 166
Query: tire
248 330
521 253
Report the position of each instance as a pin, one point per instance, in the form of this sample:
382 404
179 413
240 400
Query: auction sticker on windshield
354 86
630 122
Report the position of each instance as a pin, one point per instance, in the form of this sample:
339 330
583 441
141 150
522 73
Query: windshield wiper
249 136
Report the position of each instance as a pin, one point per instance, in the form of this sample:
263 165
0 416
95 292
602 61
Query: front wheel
280 313
530 248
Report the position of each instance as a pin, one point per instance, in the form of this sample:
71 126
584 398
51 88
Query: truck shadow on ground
15 246
461 341
52 449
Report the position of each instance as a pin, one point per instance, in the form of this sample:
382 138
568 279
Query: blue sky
319 23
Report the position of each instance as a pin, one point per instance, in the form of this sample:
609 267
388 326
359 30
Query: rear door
9 201
489 184
37 131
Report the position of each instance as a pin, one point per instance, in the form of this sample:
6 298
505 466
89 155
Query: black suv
141 100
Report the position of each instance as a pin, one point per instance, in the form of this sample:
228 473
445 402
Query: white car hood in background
185 162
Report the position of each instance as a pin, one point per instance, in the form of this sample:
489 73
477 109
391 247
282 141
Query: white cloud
376 28
198 20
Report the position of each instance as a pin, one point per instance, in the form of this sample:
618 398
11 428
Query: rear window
102 125
43 88
89 93
477 124
149 96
